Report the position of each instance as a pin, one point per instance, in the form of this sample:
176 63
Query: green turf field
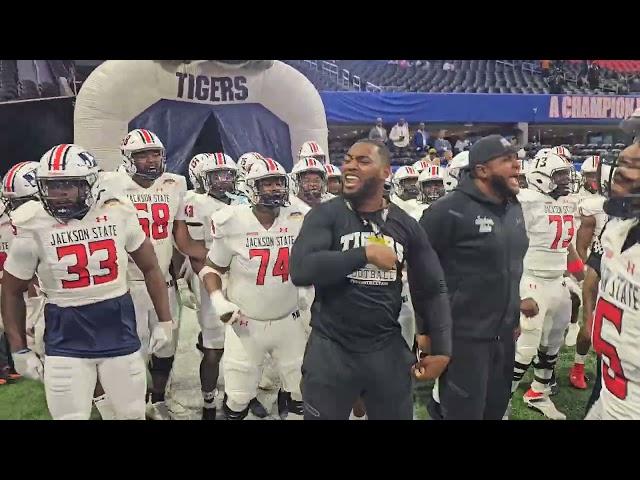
25 399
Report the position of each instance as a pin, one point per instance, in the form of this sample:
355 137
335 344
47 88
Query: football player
546 310
311 149
158 197
430 186
309 182
454 171
334 179
260 305
77 239
405 190
615 331
244 164
420 165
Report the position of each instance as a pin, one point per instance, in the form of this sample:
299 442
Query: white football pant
247 342
542 336
69 384
146 317
211 326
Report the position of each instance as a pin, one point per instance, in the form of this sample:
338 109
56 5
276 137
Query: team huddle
106 256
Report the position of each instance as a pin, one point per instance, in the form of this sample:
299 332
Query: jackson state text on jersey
616 323
258 278
157 207
550 227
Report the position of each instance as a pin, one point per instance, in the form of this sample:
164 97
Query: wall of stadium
364 107
269 108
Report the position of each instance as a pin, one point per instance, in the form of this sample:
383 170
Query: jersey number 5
280 267
160 217
82 260
616 383
560 221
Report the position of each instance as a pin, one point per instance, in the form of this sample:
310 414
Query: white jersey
157 207
297 202
412 207
6 237
616 323
593 206
78 263
550 228
258 260
198 209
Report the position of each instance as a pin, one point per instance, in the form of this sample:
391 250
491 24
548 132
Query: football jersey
411 206
593 206
258 260
156 207
550 228
80 262
616 323
6 236
198 209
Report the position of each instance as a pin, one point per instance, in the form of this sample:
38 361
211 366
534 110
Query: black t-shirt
357 304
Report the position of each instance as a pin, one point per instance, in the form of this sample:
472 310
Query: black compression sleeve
312 262
594 261
429 293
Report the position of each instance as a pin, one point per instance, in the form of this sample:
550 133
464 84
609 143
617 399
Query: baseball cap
379 120
488 148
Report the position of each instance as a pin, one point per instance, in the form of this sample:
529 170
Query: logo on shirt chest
485 224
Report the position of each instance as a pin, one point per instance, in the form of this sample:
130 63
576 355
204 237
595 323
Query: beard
501 187
367 190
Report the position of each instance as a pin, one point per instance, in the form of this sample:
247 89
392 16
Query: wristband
575 266
23 350
205 271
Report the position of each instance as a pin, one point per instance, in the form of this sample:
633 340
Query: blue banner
365 107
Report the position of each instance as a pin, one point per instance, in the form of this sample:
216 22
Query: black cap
488 148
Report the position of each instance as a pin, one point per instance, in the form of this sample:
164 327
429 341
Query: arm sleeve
312 262
134 234
594 260
439 224
429 293
22 260
219 253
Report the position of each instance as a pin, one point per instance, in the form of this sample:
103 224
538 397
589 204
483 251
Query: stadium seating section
468 76
30 79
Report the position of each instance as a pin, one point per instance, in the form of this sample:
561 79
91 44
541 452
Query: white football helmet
310 193
141 140
194 169
523 170
332 171
217 174
405 181
589 172
313 150
452 174
334 179
562 152
19 185
552 175
388 185
542 152
431 184
420 165
263 170
67 171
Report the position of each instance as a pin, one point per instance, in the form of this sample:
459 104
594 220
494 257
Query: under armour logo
283 229
631 267
485 225
243 323
102 218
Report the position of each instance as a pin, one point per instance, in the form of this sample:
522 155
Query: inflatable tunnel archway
203 106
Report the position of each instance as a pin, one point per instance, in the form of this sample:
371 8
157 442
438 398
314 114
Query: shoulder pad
26 213
222 218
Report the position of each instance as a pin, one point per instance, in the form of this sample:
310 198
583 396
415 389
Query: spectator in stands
446 158
378 132
448 66
593 76
441 144
421 138
432 157
400 135
556 82
634 87
461 145
545 66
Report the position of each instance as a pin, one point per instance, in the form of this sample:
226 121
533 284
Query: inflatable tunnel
200 106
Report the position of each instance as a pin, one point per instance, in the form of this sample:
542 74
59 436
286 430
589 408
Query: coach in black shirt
353 249
479 235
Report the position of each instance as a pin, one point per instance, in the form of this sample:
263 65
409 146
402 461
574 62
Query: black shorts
333 378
